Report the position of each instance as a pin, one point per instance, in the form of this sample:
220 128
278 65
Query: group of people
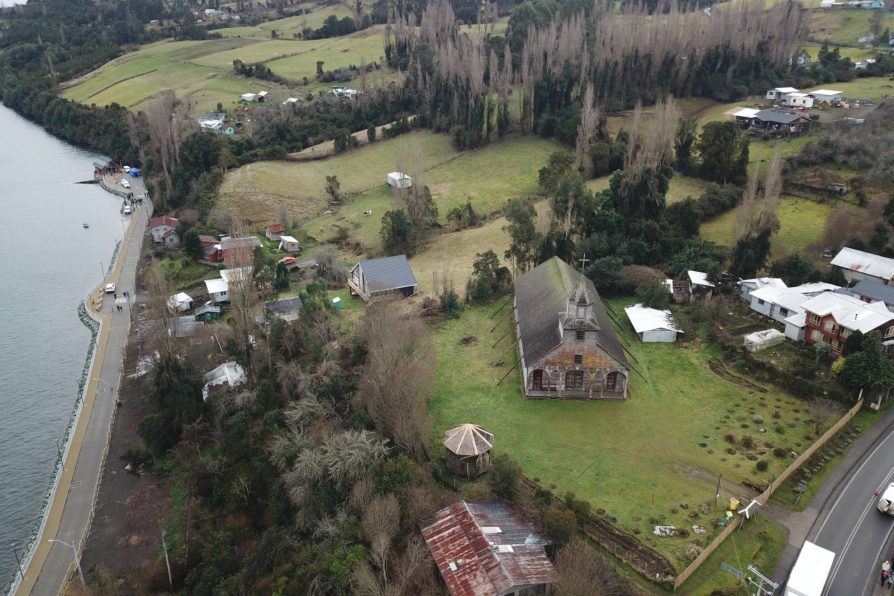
887 575
115 298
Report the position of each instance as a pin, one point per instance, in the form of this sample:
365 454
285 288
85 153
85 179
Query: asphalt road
51 564
859 534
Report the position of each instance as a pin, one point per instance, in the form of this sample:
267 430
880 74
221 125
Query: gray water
48 263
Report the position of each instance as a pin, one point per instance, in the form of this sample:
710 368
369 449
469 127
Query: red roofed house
161 225
274 231
239 251
481 549
171 238
210 248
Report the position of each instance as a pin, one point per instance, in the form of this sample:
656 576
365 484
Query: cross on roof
583 262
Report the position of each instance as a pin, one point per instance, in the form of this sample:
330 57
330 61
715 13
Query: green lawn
801 224
638 460
681 187
364 47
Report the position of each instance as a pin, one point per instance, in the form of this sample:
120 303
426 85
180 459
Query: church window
611 381
574 379
580 335
537 383
578 359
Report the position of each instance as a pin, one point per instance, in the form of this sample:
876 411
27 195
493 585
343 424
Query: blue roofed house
387 276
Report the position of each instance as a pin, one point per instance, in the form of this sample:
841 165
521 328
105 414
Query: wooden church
567 344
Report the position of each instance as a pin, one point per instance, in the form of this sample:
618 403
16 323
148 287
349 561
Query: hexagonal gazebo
468 450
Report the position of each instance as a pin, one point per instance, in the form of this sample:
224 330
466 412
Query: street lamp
76 558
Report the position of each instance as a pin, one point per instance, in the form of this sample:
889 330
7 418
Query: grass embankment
842 26
759 542
801 225
201 72
638 460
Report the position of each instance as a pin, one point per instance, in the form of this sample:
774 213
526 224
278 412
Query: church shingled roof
541 298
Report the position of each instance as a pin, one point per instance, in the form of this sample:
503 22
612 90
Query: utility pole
164 545
18 561
77 559
717 490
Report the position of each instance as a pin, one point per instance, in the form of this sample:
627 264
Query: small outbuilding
652 325
226 377
288 309
799 100
207 313
289 244
378 278
179 302
218 290
467 448
825 95
274 231
399 180
761 340
780 93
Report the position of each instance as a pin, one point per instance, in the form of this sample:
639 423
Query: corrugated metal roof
387 273
509 555
849 311
650 319
777 117
865 262
699 278
874 291
468 439
541 295
216 286
746 113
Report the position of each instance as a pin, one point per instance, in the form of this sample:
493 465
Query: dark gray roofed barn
383 276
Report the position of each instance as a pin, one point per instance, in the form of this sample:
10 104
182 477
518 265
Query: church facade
567 345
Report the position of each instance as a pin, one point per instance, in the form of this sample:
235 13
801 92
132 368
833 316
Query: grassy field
257 191
637 460
801 224
842 26
680 187
289 27
201 71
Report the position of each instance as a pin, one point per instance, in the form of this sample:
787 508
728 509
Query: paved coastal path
70 510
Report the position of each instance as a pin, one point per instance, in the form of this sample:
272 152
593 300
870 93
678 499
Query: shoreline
62 484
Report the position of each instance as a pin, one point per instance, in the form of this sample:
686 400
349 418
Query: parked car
126 168
127 210
125 183
110 288
886 500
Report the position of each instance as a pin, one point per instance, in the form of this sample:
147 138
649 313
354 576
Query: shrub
505 477
761 466
747 441
780 452
560 525
730 438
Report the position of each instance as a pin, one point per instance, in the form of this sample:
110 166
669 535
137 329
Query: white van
886 501
125 183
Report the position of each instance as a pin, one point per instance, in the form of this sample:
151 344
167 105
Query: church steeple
579 309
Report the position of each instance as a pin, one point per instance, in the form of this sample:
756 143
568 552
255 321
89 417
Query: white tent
225 377
399 180
761 340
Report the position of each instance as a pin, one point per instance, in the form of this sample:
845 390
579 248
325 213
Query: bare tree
583 571
381 521
164 118
399 376
589 120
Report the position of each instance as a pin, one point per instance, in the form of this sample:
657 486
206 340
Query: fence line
765 496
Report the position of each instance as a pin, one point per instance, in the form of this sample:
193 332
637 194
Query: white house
699 278
798 100
780 304
161 225
779 93
825 96
218 290
222 379
399 180
289 244
857 265
179 302
291 100
864 64
652 325
749 285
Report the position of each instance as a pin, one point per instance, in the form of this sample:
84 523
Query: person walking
886 572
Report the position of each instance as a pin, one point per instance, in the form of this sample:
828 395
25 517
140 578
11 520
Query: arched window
574 380
611 381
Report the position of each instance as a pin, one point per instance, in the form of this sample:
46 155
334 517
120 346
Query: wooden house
832 317
467 450
161 225
482 549
387 276
239 251
568 347
773 123
274 231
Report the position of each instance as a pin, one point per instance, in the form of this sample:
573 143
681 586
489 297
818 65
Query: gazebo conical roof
468 439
